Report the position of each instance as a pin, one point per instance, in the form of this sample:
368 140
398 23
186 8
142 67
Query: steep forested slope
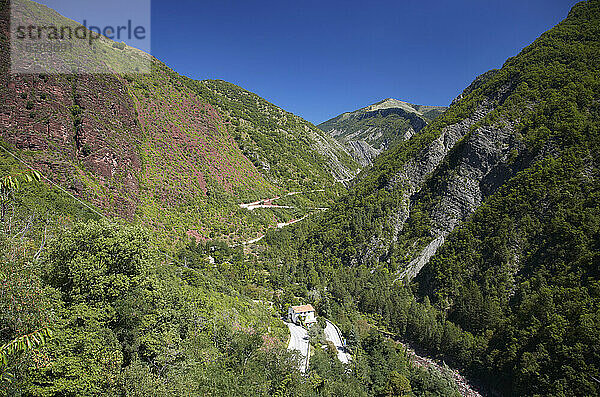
541 104
154 148
121 317
369 131
494 206
287 149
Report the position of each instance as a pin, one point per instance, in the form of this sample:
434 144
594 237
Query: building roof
303 308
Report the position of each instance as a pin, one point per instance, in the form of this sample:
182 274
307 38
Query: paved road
332 335
268 202
299 341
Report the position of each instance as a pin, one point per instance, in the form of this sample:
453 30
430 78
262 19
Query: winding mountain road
299 341
268 203
333 335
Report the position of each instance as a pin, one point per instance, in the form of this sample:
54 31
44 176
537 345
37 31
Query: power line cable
53 183
72 196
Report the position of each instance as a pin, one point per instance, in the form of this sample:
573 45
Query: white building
304 314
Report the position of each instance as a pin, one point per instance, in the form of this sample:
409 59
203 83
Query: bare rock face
330 148
482 165
72 125
448 180
412 176
474 169
363 152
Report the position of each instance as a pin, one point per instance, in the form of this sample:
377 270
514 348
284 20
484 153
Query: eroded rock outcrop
448 180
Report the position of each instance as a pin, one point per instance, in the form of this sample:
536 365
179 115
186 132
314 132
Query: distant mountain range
369 131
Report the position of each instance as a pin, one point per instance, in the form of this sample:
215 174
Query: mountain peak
391 103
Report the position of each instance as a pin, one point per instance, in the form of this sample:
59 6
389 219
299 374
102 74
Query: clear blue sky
321 58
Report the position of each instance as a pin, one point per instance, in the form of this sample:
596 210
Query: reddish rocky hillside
142 146
80 131
111 140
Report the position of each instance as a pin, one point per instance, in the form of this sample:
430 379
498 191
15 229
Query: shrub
120 46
